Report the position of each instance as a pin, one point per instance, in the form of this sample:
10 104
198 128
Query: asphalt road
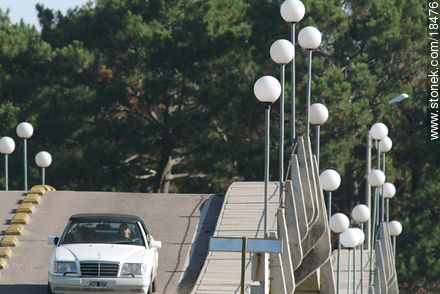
170 218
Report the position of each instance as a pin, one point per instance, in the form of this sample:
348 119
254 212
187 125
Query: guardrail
385 276
302 223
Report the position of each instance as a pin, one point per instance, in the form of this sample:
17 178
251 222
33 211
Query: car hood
100 252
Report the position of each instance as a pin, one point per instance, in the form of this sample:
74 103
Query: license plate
98 284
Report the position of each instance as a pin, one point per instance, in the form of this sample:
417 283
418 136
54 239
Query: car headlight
64 267
136 269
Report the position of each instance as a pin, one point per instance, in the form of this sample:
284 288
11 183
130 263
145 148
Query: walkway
242 216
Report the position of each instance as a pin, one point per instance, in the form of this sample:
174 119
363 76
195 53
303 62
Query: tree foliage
156 96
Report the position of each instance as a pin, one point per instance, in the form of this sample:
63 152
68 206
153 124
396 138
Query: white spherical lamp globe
7 145
25 130
388 190
349 238
330 180
385 144
361 235
282 51
318 114
361 213
376 178
339 223
309 38
43 159
378 131
267 89
292 10
395 228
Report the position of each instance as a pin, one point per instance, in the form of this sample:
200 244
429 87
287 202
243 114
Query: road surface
171 218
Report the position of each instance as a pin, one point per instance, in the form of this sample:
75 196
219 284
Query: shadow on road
28 289
199 248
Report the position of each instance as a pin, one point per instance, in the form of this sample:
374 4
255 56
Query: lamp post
388 192
282 52
330 181
399 98
378 131
309 38
339 224
376 178
384 146
318 116
43 159
395 229
396 99
292 11
267 89
7 146
350 240
361 239
361 214
25 131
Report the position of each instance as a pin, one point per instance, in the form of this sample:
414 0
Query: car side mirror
52 240
155 244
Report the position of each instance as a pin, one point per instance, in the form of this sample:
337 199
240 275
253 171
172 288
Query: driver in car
125 232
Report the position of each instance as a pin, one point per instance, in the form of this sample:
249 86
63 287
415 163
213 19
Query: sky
25 9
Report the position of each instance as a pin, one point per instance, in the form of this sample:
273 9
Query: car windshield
107 232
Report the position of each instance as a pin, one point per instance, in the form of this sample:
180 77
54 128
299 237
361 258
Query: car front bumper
71 284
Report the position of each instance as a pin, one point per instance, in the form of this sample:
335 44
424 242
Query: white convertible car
105 253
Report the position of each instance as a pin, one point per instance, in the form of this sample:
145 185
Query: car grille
99 269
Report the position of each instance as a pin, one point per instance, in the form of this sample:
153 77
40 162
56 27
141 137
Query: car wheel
49 290
154 287
150 288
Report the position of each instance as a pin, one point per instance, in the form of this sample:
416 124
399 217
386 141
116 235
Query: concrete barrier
15 229
9 241
5 252
21 217
2 263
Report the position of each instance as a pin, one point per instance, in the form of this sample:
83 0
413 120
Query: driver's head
125 231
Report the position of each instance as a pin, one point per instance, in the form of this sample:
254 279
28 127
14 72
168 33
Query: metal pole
354 269
6 172
377 189
337 266
43 175
378 154
394 248
309 79
281 165
368 190
292 74
373 230
348 281
25 164
318 129
375 208
243 264
266 164
388 210
362 263
382 216
329 205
